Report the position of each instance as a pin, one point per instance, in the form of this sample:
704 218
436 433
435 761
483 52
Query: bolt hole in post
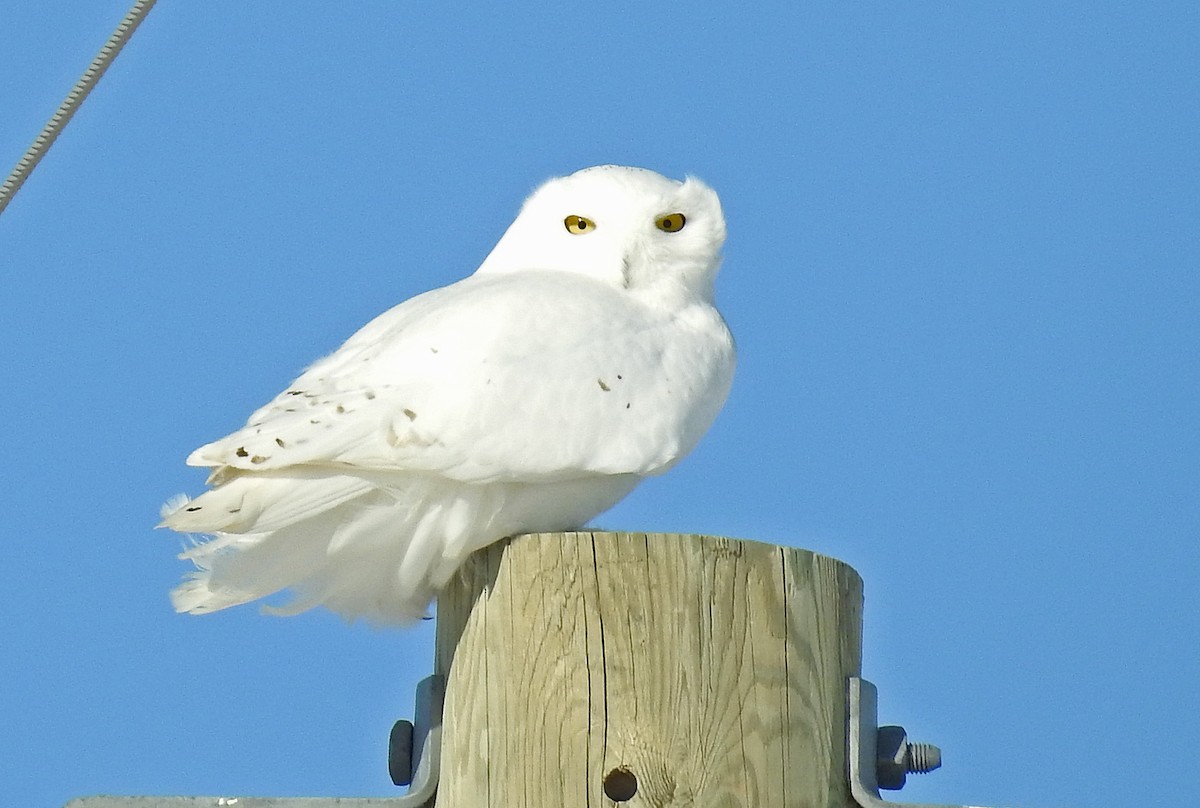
620 785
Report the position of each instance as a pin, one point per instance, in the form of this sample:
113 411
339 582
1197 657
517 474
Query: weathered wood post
591 669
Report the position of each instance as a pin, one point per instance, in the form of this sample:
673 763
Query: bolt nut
400 753
896 757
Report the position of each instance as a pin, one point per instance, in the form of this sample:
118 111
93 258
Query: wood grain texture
711 669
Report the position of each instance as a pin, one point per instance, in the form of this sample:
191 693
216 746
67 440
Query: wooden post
595 669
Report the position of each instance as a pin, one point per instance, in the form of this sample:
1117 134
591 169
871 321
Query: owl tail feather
378 549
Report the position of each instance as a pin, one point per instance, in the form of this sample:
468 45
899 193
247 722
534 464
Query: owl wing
524 376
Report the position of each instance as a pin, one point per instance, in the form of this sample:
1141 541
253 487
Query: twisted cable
70 104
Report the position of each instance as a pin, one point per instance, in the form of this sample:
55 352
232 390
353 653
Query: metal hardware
422 746
415 749
895 757
881 757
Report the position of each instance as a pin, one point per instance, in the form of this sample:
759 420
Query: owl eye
671 223
578 225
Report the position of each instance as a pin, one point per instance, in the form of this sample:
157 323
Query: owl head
627 227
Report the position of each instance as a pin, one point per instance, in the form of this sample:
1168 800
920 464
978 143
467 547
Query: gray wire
70 104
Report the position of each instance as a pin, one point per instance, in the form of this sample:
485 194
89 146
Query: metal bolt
400 753
896 757
923 758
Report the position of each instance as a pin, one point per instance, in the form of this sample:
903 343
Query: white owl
583 355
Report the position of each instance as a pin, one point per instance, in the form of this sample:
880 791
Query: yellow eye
671 223
577 225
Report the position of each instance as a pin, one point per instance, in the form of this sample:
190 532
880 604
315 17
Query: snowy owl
583 355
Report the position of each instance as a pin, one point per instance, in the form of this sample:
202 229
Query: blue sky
962 272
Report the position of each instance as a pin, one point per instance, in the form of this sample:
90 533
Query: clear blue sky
962 272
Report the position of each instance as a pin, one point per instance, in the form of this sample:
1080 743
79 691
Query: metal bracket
877 757
415 749
876 751
414 756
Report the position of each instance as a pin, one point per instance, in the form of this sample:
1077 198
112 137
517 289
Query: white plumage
583 355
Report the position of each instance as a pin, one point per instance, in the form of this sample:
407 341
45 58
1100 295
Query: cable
70 104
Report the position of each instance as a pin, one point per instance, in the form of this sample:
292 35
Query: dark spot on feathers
295 392
314 421
340 408
241 452
258 459
279 442
370 396
194 508
433 349
619 377
626 405
235 510
603 386
412 416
